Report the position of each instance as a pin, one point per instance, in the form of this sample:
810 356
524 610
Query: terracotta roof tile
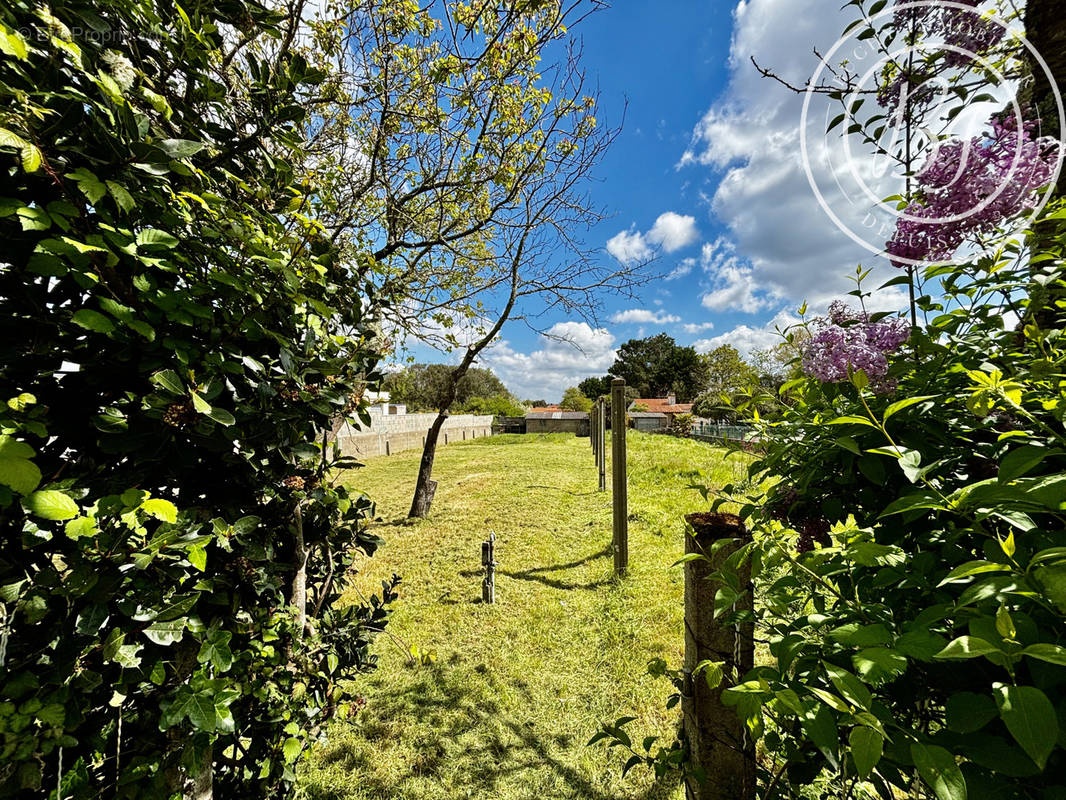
660 405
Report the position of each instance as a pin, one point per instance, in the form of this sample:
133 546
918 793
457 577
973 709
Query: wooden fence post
619 488
720 745
488 560
601 438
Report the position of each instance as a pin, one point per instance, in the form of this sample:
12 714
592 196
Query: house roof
662 405
544 410
647 414
539 414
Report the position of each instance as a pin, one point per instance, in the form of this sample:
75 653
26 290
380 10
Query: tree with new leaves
574 400
459 146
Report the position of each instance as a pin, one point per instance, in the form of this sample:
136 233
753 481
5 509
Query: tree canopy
425 387
657 366
574 400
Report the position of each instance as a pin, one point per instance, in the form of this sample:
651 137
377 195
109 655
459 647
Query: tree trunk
1045 27
426 487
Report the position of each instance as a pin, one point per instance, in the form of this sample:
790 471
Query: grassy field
517 688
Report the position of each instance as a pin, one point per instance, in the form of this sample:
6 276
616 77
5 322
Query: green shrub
176 337
909 561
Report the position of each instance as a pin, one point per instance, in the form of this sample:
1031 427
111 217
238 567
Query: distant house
546 420
655 413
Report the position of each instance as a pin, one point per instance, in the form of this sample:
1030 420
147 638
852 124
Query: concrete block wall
395 433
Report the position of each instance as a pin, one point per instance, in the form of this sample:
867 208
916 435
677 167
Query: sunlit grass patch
504 697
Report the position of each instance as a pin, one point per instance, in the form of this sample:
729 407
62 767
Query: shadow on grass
450 716
538 575
567 491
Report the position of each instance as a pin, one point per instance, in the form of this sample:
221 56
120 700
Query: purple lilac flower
966 35
970 188
847 341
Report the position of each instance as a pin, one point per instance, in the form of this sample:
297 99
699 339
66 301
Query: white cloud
681 270
697 327
750 140
629 247
746 338
734 286
568 353
673 231
644 315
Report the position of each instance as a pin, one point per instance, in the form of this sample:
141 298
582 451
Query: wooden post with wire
619 488
721 747
601 442
593 430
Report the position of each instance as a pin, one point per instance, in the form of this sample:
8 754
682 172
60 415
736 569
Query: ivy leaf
177 606
51 504
866 747
165 633
939 771
216 649
199 708
1030 717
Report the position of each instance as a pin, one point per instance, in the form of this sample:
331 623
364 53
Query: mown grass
517 688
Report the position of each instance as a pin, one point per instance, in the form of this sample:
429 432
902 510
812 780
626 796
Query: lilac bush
847 341
967 189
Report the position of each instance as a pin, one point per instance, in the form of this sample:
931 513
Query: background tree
574 400
424 387
657 366
595 388
459 143
176 332
497 406
730 379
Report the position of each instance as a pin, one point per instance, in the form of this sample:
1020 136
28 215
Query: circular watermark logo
914 138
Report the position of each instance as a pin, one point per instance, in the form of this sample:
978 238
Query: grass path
517 688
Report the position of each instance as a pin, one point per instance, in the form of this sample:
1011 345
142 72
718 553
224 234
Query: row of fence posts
720 746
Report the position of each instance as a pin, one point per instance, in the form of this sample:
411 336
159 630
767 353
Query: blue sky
706 176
